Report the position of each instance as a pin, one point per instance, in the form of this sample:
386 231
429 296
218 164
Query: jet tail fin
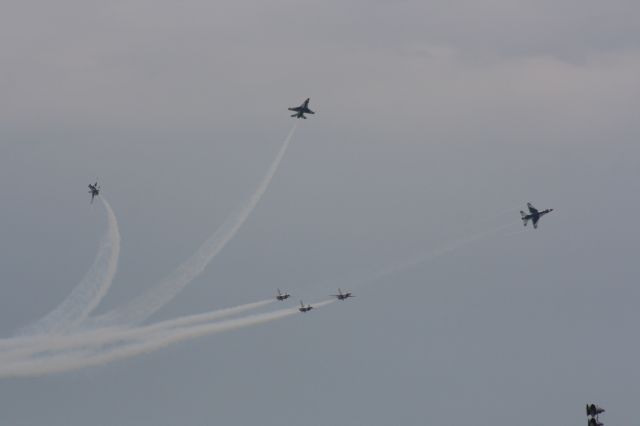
524 217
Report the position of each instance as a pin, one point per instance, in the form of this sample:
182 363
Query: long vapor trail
23 347
74 361
86 296
430 255
149 302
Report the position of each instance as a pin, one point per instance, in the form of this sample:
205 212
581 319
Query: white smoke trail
86 296
427 256
144 306
77 360
91 337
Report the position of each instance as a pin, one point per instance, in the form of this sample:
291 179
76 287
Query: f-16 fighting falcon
593 410
94 190
593 421
282 296
342 296
302 110
534 215
303 308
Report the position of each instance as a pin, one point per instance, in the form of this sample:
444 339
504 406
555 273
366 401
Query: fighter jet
534 215
282 296
303 308
342 296
593 410
302 110
593 421
94 190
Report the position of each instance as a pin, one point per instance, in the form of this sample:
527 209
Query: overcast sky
436 121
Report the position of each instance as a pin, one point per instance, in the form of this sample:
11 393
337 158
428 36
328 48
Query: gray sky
435 121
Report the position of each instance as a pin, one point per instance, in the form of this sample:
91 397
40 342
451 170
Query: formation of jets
340 296
593 411
533 216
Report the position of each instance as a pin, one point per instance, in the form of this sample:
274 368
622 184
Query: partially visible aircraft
594 422
302 110
94 190
342 296
282 296
303 308
593 410
534 215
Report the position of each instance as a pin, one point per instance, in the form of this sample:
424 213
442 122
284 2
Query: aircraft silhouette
302 110
534 215
94 190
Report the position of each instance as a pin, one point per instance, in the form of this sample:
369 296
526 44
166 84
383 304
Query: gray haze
435 121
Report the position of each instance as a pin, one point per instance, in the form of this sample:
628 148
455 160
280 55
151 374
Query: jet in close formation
302 110
534 215
282 296
94 190
303 308
593 410
342 296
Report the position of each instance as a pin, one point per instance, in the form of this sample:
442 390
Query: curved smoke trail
86 296
145 305
76 360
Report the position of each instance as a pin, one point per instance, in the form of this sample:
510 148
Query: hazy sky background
435 121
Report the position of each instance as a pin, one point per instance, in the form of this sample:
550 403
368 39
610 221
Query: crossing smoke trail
144 306
86 296
109 335
74 361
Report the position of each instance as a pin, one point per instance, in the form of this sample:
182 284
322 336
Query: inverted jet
94 190
282 296
302 110
303 308
342 296
534 215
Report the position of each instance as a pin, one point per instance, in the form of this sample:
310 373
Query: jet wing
535 222
532 209
308 111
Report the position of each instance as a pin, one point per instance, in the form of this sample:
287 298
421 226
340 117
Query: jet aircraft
593 421
282 296
94 190
342 296
593 410
534 215
303 308
302 110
